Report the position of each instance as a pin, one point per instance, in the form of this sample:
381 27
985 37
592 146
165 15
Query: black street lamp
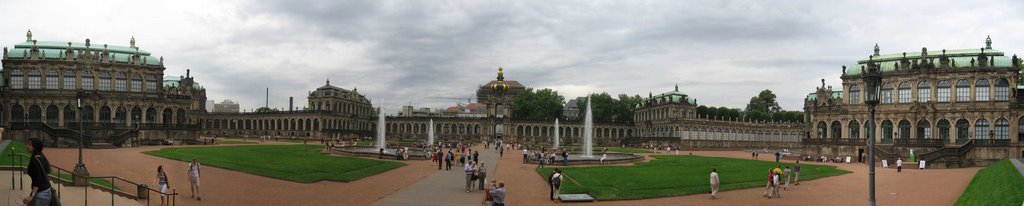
872 81
80 171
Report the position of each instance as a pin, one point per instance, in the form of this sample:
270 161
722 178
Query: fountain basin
581 159
373 152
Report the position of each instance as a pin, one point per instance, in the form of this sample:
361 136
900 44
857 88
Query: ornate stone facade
932 102
125 97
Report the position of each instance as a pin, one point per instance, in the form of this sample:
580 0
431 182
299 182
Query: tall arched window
942 91
88 114
924 129
69 80
887 129
854 94
924 91
150 83
836 130
854 129
17 79
52 79
822 129
136 83
87 80
963 90
105 114
151 115
981 90
122 82
35 114
17 113
886 94
962 129
1002 90
52 115
904 92
69 116
981 129
904 129
168 117
34 79
105 81
136 116
1002 129
120 116
1020 128
943 129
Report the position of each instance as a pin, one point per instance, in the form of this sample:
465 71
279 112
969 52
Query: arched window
963 90
886 94
904 129
34 79
88 114
822 129
924 129
1002 129
981 129
35 114
943 129
1020 128
151 115
122 82
942 91
962 129
854 129
904 92
837 130
52 115
136 83
87 80
168 116
69 115
854 94
17 113
69 80
924 91
181 117
981 90
52 79
1002 90
104 81
17 79
105 114
151 83
120 116
136 116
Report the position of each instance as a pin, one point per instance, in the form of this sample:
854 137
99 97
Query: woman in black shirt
38 170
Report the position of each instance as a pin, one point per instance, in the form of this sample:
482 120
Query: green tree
265 109
605 108
538 104
701 111
764 102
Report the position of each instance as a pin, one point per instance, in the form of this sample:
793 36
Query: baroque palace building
332 112
953 108
123 94
671 119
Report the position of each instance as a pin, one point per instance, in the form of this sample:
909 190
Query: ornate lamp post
872 81
80 171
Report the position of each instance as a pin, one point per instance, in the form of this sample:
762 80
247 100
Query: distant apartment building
226 106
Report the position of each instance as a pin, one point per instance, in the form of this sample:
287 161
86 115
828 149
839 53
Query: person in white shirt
193 177
775 186
525 154
714 183
899 165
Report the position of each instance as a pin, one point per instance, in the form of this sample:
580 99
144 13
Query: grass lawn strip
298 163
672 175
19 148
1000 184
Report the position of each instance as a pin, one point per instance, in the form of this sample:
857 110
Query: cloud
411 52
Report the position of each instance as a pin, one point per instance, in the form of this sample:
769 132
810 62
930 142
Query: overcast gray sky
432 53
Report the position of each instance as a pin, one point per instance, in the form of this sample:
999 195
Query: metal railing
991 142
141 191
920 142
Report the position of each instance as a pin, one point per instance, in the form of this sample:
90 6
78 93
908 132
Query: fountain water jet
381 144
430 133
556 141
588 132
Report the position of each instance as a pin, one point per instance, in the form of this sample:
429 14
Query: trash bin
143 191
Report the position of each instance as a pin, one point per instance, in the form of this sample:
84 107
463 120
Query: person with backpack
38 170
556 183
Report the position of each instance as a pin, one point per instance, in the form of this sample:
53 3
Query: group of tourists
545 156
193 180
779 178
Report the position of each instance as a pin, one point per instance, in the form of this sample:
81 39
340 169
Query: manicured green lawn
626 150
299 163
234 142
19 148
1000 184
674 175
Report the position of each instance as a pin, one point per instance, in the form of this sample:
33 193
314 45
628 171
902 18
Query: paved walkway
1019 163
69 195
444 187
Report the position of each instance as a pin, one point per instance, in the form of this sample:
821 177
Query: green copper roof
961 57
55 50
173 81
835 94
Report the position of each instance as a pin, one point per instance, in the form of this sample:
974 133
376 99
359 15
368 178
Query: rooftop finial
132 42
28 36
87 43
988 42
677 87
501 74
876 49
328 81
